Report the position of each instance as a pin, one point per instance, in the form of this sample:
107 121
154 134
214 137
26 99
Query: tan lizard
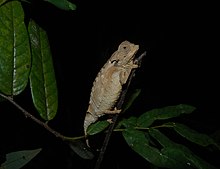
108 83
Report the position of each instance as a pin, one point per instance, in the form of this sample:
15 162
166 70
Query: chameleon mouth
133 54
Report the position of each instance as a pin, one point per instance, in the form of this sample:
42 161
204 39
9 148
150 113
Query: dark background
181 67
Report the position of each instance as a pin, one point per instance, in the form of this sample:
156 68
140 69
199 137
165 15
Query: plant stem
41 123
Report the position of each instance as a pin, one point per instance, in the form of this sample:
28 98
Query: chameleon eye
126 50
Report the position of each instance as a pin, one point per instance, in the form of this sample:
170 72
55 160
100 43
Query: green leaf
81 149
15 57
146 119
63 4
161 138
139 143
134 137
186 157
181 154
130 122
97 127
42 78
194 136
16 160
2 2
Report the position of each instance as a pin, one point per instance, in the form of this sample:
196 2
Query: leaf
15 57
180 156
81 149
146 119
161 138
63 4
184 156
97 127
130 122
18 159
2 2
139 143
194 136
42 77
187 157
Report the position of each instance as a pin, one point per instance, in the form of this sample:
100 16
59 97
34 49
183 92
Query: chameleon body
108 83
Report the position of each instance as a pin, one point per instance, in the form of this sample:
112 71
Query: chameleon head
125 53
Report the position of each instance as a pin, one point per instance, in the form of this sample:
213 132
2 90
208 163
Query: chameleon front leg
114 111
126 71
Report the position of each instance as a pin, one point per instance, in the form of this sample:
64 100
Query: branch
41 123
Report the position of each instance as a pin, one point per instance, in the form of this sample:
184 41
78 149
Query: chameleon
109 81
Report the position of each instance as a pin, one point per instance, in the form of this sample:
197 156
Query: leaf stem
147 128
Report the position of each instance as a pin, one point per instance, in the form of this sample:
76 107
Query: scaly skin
107 86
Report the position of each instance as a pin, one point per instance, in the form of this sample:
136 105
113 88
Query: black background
181 67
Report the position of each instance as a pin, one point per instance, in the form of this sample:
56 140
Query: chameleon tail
89 119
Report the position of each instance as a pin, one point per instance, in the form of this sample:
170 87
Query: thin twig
41 123
114 119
